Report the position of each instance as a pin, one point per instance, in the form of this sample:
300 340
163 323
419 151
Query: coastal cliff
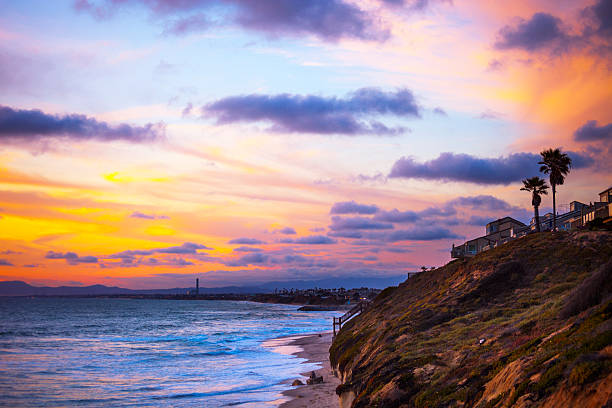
527 324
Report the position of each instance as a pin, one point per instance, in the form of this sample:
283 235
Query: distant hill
19 288
526 324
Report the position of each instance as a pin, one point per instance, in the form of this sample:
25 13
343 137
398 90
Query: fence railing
357 309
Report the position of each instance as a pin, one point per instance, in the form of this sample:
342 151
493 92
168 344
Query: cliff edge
527 324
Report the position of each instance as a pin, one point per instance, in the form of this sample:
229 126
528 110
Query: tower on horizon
197 286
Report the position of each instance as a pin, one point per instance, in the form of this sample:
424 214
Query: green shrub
590 292
586 371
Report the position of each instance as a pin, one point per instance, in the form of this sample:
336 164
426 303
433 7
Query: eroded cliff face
527 324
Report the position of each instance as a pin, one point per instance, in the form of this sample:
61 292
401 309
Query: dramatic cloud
467 168
317 114
483 202
601 12
414 5
478 220
138 214
351 207
357 223
397 216
590 132
440 111
546 32
255 258
183 249
346 234
186 248
246 241
71 257
309 240
398 250
20 125
247 249
286 231
4 262
542 30
420 234
132 262
329 20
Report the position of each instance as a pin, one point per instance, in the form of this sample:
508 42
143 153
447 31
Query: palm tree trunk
537 218
554 191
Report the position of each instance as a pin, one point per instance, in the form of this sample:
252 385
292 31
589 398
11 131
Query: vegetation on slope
525 324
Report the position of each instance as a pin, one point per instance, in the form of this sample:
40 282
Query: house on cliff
500 231
599 209
497 232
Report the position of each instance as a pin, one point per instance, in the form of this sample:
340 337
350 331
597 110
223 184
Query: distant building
498 231
599 209
565 222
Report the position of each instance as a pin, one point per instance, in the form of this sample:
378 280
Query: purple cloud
478 220
483 202
186 248
246 241
357 223
317 114
541 30
329 20
397 216
71 257
351 207
398 250
591 132
138 214
247 249
309 240
61 255
4 262
471 169
255 258
286 231
194 23
176 262
601 13
440 111
346 234
420 234
20 125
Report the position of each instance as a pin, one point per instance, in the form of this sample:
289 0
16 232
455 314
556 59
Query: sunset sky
144 143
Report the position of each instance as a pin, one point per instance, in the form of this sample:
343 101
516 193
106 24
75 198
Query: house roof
504 219
607 189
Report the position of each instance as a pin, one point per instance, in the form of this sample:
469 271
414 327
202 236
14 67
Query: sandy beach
316 350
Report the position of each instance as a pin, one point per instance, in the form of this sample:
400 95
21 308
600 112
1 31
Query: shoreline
314 348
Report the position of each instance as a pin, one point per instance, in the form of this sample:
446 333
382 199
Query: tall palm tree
537 187
557 165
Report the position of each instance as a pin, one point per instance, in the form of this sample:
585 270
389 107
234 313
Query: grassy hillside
526 324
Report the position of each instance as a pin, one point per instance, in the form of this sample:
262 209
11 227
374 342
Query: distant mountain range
19 288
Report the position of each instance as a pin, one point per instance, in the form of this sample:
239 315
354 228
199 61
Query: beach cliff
526 324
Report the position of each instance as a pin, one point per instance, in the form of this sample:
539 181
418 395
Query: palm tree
557 165
537 187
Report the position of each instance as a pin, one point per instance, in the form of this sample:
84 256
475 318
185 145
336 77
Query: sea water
135 352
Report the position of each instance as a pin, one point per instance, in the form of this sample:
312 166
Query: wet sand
315 349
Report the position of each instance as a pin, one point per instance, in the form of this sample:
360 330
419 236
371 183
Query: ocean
131 352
